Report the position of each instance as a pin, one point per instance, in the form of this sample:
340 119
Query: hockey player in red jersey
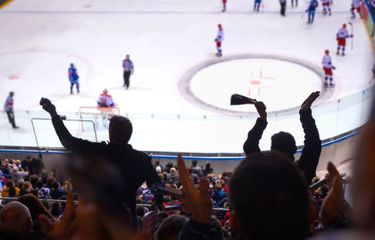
327 68
219 39
341 37
327 7
224 5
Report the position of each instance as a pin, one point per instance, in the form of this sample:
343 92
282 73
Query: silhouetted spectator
284 142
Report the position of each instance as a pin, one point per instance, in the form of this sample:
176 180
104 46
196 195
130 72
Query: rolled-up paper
237 99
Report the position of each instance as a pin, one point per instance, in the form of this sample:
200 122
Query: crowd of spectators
123 194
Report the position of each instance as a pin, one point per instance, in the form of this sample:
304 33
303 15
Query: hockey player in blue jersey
311 11
73 78
257 4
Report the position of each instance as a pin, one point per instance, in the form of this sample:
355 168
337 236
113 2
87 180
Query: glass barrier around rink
333 118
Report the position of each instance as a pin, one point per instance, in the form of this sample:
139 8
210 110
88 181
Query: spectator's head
15 217
194 163
11 93
170 227
34 205
10 184
284 142
173 170
120 129
269 198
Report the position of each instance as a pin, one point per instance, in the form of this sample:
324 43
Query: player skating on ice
327 68
326 7
311 11
294 3
356 6
224 5
341 37
73 78
257 4
219 39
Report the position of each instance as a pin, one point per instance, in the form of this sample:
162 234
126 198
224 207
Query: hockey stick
262 6
352 40
303 15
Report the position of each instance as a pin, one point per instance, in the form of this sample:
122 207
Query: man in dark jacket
134 166
284 142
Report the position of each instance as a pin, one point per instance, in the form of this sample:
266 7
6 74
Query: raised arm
251 144
67 140
309 159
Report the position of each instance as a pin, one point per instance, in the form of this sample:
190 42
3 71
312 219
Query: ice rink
178 99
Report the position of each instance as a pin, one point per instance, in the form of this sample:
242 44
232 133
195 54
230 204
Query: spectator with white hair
15 217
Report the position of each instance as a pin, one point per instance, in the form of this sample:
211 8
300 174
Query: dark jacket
309 159
134 166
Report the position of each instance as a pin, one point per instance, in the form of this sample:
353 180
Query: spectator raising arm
251 144
310 155
200 203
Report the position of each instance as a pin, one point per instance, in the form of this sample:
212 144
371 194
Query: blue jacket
312 6
73 75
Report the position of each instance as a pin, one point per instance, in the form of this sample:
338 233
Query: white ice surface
166 38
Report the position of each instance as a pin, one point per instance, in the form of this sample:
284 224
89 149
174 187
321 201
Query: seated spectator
15 217
27 188
195 169
284 142
5 167
43 192
10 190
35 206
208 169
170 227
105 100
18 175
57 192
172 176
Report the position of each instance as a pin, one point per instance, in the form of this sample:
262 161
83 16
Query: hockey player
282 7
294 3
311 11
219 39
257 4
341 37
326 7
73 78
356 6
224 6
128 67
105 100
327 68
9 109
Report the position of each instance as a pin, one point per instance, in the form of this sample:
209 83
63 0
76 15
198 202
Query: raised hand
48 106
63 229
309 100
199 201
333 204
261 109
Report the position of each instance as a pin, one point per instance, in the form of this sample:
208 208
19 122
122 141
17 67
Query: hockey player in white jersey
341 37
327 7
327 68
219 39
